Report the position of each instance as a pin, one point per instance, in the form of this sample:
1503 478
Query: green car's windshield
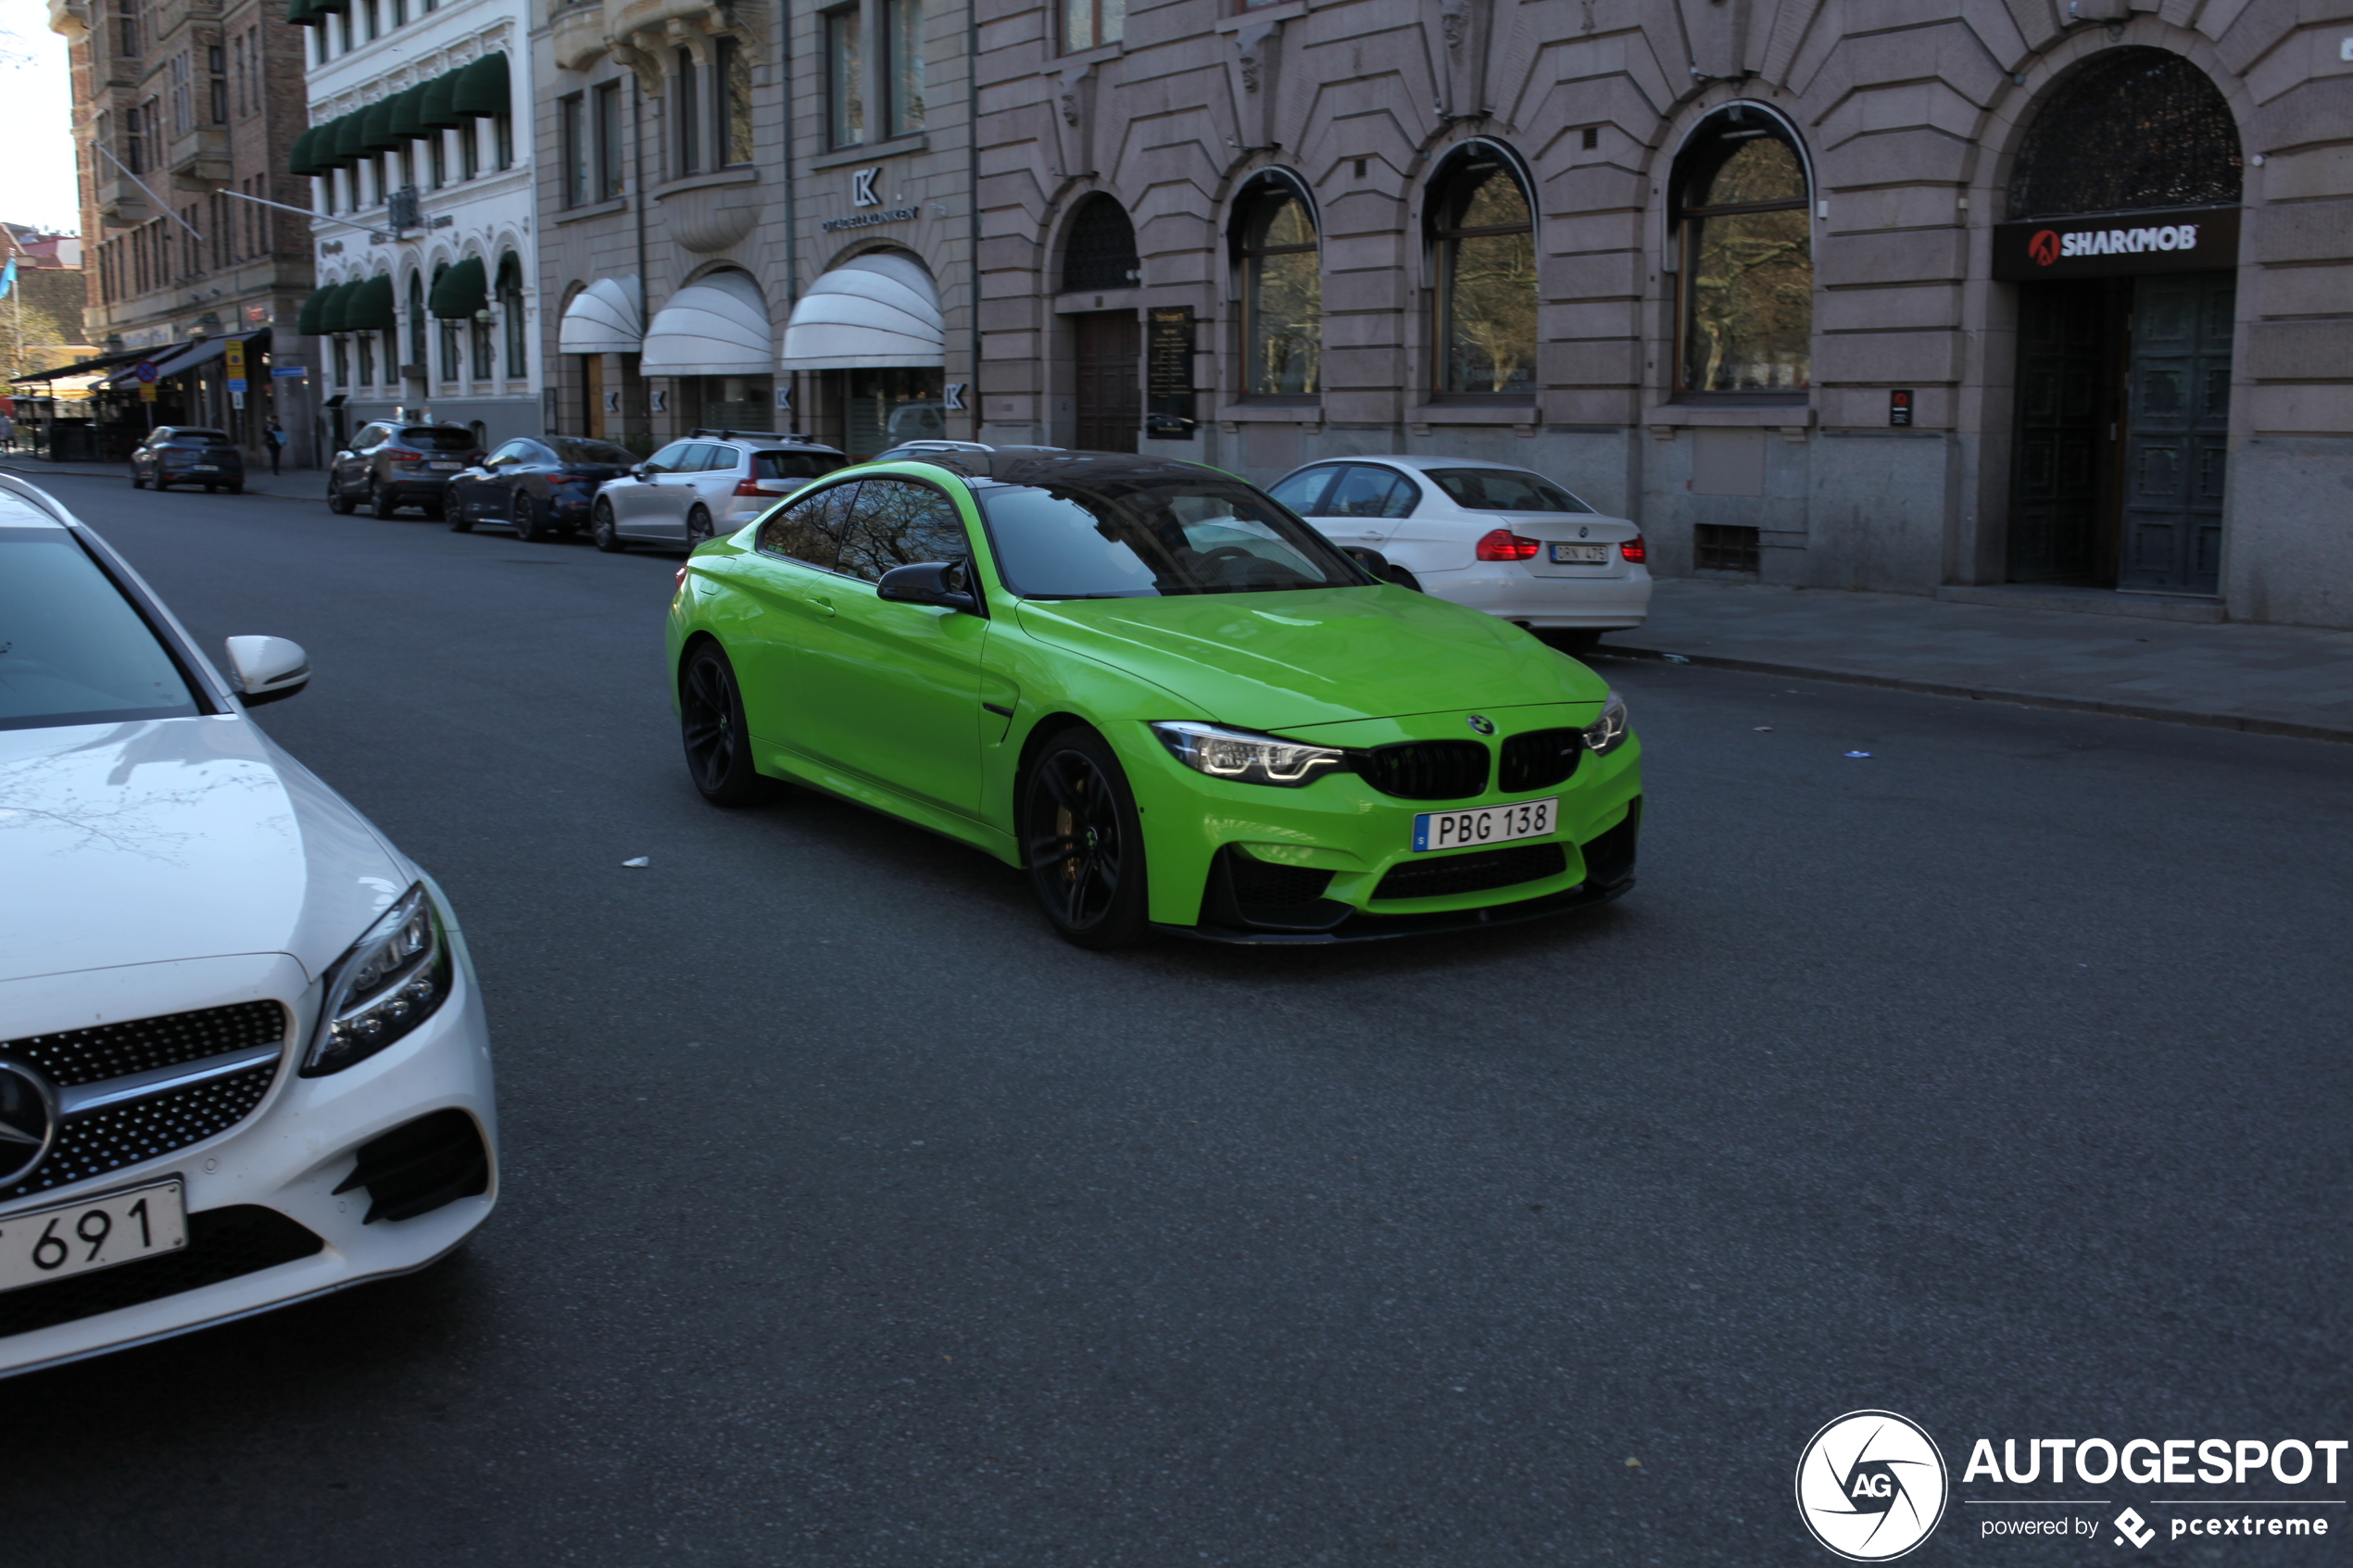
1119 538
72 649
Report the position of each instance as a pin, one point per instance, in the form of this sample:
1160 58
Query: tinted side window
513 451
898 522
440 438
812 528
1303 492
369 437
723 460
794 465
1364 491
669 458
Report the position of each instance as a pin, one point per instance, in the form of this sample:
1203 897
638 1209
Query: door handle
823 607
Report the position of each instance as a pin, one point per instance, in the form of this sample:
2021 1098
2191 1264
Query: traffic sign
145 370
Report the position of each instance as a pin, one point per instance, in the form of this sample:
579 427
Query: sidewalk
2273 680
302 484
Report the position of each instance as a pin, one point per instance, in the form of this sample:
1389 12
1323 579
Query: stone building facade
2044 300
757 219
180 108
419 163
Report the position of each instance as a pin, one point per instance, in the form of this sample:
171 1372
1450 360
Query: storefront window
1486 237
733 402
1282 296
884 407
1747 259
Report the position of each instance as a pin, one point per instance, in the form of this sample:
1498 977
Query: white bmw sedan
1503 539
243 1057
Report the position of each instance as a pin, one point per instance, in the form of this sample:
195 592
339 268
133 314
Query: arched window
1745 322
1282 280
1101 251
1484 231
452 364
2131 129
510 313
417 322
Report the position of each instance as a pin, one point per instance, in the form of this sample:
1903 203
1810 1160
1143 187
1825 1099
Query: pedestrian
275 439
7 433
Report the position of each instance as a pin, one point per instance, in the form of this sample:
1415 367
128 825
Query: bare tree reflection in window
1283 297
1747 318
1486 239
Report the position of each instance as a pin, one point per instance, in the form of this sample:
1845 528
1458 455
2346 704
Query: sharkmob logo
1871 1485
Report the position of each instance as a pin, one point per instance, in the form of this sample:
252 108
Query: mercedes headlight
1248 758
391 979
1608 732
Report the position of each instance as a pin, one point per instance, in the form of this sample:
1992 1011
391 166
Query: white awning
873 312
603 318
718 327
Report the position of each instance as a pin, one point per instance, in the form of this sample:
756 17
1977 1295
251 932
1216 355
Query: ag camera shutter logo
1871 1485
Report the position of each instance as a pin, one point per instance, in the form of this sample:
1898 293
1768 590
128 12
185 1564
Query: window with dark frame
502 139
1099 251
1087 23
685 113
512 316
571 123
1744 316
607 98
731 111
1721 547
437 156
469 149
902 67
845 78
1282 317
1484 231
417 322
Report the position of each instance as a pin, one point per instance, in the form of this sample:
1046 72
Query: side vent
414 1169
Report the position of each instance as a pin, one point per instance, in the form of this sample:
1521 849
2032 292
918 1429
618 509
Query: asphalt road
1998 1078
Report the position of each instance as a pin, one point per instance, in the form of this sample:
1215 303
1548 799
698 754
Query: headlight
1608 732
391 980
1239 755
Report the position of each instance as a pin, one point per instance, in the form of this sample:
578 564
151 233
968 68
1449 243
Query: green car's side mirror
941 582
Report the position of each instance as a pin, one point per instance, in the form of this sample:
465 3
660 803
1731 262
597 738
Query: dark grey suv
188 455
389 466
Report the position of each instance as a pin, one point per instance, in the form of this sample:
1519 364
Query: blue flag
7 277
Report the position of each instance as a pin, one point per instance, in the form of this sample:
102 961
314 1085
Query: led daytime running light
388 983
1246 758
1608 732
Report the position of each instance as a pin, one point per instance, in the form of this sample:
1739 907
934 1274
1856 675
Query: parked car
243 1054
535 488
1495 537
713 483
188 455
908 451
1159 695
391 465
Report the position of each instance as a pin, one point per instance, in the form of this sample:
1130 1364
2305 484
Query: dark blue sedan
537 488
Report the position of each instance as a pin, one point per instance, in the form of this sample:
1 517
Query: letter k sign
862 187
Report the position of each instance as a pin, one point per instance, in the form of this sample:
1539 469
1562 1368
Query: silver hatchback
713 483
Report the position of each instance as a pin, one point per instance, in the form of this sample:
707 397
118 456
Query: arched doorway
1107 346
2124 240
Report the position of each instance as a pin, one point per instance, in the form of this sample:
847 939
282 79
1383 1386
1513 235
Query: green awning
368 307
303 13
483 88
434 112
331 300
460 291
322 10
375 132
408 114
309 321
350 145
298 161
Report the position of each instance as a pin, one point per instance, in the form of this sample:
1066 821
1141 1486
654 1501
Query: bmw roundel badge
28 1121
1482 723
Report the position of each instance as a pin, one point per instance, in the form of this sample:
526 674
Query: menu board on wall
1168 372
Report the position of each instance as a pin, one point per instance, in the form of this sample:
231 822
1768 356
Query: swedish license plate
1489 825
445 465
98 1233
203 467
1580 554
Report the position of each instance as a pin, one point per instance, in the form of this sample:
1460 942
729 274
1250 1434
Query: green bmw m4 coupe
1162 697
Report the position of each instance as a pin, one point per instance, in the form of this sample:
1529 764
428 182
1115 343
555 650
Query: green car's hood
1278 661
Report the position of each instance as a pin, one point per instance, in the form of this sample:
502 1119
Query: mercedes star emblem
28 1121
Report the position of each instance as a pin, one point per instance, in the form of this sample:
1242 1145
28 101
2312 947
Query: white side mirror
267 668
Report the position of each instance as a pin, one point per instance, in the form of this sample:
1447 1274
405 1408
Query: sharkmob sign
2184 239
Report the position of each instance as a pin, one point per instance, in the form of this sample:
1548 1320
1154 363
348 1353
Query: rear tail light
1505 544
567 479
748 487
1635 551
398 455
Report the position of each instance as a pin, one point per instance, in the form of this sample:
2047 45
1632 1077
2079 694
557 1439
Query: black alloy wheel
526 513
697 526
718 742
1083 842
338 502
605 531
460 520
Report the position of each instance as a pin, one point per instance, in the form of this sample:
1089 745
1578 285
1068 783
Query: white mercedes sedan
1498 538
243 1057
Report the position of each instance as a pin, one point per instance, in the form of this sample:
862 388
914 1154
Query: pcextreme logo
1871 1485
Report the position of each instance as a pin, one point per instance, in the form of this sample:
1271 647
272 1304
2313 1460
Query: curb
1989 694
